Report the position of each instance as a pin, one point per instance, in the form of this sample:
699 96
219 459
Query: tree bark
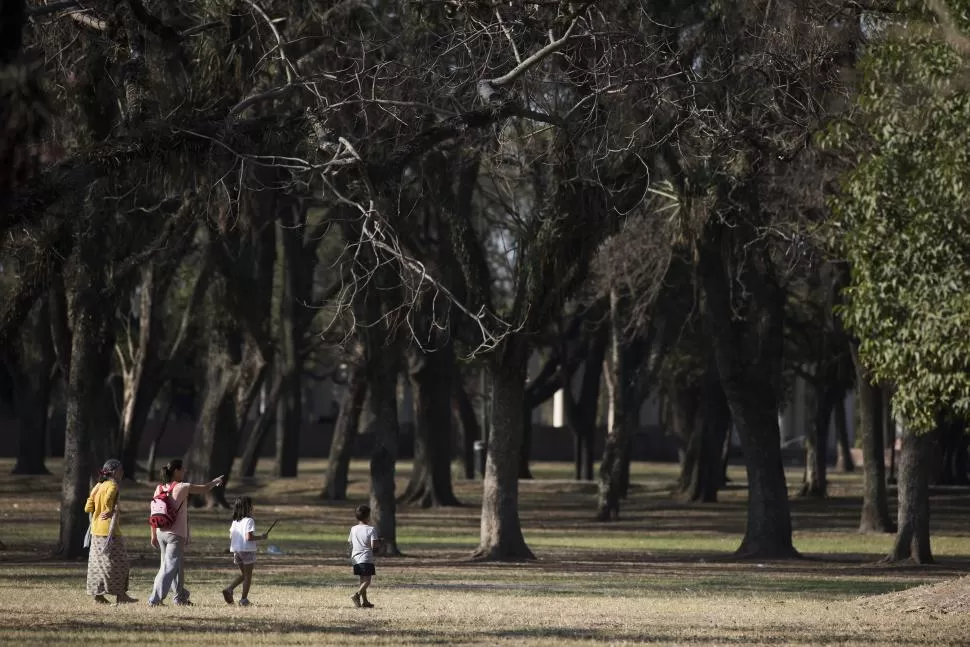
31 365
875 499
702 475
617 423
470 429
295 293
153 448
90 364
144 378
581 412
501 531
815 482
432 374
748 351
344 435
214 428
381 368
913 538
845 462
259 432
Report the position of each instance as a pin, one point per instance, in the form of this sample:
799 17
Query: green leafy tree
901 220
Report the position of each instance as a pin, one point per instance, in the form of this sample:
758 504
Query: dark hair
108 470
242 508
362 512
168 472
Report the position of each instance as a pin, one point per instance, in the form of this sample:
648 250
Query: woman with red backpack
170 531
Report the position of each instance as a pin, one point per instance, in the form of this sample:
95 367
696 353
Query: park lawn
661 575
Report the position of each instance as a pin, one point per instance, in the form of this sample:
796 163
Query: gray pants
170 577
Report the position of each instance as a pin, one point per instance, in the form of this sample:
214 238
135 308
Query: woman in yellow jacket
108 560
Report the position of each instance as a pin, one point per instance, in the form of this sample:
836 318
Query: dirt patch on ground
951 596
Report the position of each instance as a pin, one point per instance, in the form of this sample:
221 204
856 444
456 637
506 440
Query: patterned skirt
108 567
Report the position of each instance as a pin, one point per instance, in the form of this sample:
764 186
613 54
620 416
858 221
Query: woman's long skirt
108 566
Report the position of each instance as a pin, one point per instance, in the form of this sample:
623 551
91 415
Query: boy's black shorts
364 569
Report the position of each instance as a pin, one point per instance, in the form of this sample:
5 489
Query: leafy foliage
901 218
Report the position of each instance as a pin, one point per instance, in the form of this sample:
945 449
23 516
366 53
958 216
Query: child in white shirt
242 544
363 542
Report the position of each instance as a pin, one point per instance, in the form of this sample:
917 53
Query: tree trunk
875 499
344 435
214 428
381 371
617 424
815 483
470 429
913 539
153 448
501 531
289 413
889 434
701 477
581 412
90 364
748 351
143 377
432 374
845 461
31 365
259 433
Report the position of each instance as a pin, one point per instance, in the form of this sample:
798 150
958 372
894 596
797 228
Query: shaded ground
663 574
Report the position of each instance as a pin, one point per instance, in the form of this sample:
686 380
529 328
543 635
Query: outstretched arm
202 489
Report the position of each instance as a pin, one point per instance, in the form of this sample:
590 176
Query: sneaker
227 596
356 599
366 604
125 599
100 599
154 604
244 602
185 603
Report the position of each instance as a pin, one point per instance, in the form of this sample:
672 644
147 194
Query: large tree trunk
90 364
432 374
875 499
501 531
913 539
748 351
470 429
845 462
381 368
295 294
31 365
815 482
702 472
344 435
289 420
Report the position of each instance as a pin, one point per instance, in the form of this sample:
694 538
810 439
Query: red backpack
162 510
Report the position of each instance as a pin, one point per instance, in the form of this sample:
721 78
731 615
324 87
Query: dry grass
663 575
